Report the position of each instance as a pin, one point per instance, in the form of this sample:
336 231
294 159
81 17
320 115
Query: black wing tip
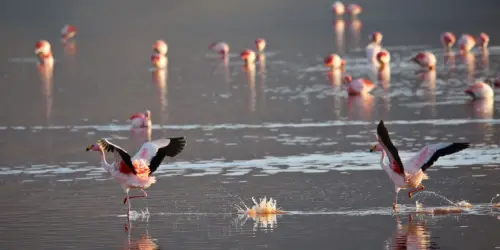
461 145
176 145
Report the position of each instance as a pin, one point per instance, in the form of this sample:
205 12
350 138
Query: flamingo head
260 43
328 62
376 37
338 8
376 148
347 79
449 39
418 57
42 47
94 147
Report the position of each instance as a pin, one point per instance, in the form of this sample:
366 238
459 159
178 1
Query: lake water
288 131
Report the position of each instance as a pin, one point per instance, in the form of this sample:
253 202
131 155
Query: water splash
496 205
460 204
265 206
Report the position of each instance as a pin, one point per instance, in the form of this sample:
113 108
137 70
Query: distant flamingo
68 32
354 10
160 47
338 8
383 59
466 43
358 86
334 62
480 90
135 172
159 61
425 60
374 47
448 39
44 52
141 120
220 48
248 56
484 40
260 44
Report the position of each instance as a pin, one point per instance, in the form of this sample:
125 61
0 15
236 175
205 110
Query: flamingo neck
103 158
382 158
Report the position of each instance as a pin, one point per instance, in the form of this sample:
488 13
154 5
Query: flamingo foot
395 206
125 200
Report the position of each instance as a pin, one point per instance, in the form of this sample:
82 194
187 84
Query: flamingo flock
136 172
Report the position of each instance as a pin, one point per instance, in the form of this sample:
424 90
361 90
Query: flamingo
358 86
354 9
68 32
220 48
410 173
338 8
135 172
248 56
383 58
448 39
260 44
44 52
374 46
160 47
480 90
466 43
141 120
484 39
159 61
425 60
334 62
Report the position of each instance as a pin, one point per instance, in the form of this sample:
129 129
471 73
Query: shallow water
287 131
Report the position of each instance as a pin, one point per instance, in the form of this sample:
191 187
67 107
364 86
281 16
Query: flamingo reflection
339 28
69 47
250 74
143 242
414 235
355 27
46 78
262 73
469 60
159 79
360 107
449 59
335 77
485 54
266 222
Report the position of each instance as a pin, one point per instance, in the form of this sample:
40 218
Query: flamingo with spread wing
135 172
410 173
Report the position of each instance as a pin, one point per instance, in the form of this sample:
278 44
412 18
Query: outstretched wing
431 153
119 153
155 151
390 149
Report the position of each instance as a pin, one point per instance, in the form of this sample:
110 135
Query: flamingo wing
155 151
119 153
392 152
431 153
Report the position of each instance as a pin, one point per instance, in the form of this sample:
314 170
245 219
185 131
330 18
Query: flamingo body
159 61
160 47
141 120
383 58
68 32
338 8
354 9
260 44
448 39
44 52
425 60
484 40
334 61
480 90
221 48
466 43
358 86
248 56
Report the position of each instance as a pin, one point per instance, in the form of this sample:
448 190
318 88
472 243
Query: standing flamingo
484 40
354 10
135 172
68 32
466 43
248 56
260 44
383 58
159 61
334 62
358 86
480 90
338 8
220 48
448 39
160 47
425 60
410 173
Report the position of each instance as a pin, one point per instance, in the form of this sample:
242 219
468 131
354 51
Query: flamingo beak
88 148
372 149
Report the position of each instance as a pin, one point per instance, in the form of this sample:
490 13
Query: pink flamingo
135 172
484 40
160 47
68 32
448 39
159 61
480 90
44 52
141 120
260 44
220 48
425 60
358 86
334 62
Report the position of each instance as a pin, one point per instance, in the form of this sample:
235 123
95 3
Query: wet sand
288 131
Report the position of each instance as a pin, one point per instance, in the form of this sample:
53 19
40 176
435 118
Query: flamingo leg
136 196
128 211
415 190
395 204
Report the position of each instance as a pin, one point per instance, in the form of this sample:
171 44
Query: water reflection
141 134
355 28
449 60
335 78
142 242
383 75
250 74
159 79
469 60
339 28
483 109
485 61
46 78
413 235
360 107
262 74
69 47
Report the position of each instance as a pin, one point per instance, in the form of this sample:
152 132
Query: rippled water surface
287 130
